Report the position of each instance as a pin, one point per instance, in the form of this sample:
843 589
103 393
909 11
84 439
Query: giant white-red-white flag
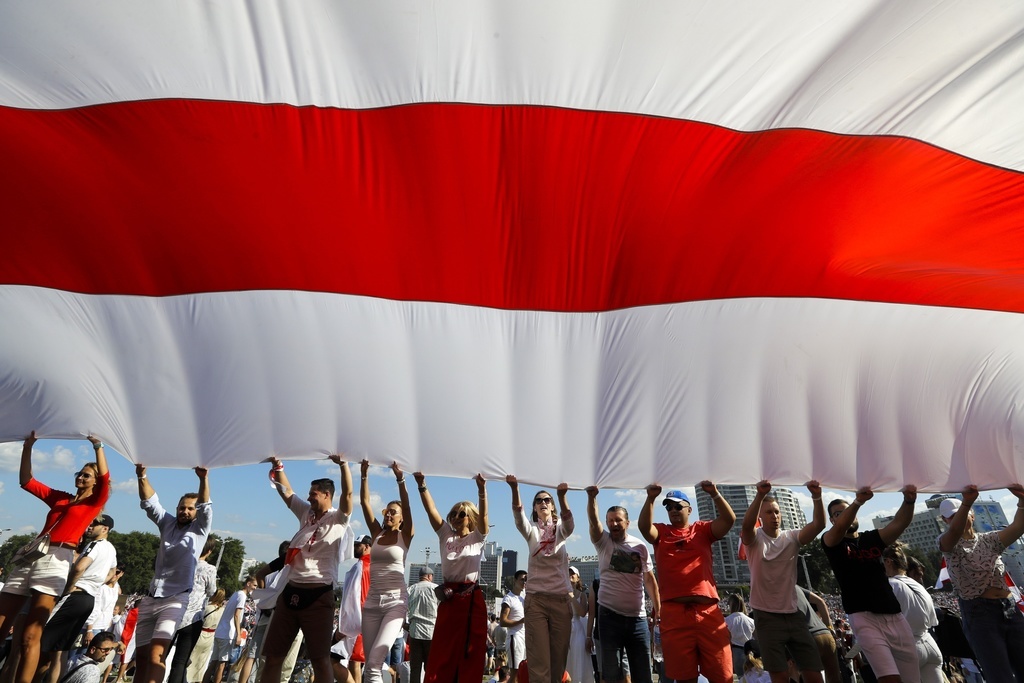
611 243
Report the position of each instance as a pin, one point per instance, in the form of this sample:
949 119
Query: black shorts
67 623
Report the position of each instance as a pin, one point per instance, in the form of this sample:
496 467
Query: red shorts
694 637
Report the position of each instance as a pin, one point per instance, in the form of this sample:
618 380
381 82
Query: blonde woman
385 610
460 654
549 591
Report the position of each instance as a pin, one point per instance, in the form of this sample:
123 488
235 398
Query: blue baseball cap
676 497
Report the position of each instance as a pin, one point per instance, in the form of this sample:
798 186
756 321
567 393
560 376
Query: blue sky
246 506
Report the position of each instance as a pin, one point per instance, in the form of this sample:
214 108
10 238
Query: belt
209 630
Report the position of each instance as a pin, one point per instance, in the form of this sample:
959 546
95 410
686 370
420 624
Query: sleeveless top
387 566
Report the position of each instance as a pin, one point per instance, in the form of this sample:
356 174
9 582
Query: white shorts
47 575
888 644
221 650
159 618
516 645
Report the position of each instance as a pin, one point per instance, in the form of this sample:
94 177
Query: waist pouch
297 597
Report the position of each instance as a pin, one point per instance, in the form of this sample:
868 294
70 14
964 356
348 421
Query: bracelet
716 496
400 481
423 488
279 468
813 498
141 476
97 446
856 502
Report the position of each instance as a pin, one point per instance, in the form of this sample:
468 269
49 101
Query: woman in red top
42 582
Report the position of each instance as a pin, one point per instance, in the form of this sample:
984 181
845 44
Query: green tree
136 556
822 579
230 563
10 546
931 561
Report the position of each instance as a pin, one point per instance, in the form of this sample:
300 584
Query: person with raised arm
41 581
548 619
385 608
182 538
878 624
694 637
306 602
772 555
992 623
462 613
626 570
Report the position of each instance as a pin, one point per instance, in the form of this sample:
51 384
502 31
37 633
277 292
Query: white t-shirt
622 567
316 545
460 556
226 626
741 628
516 611
549 561
773 571
104 558
915 603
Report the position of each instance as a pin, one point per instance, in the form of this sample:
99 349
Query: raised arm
645 523
595 523
403 495
513 484
481 492
1012 531
726 518
284 487
81 564
345 500
364 499
564 513
750 516
204 484
904 516
101 456
955 531
428 502
145 490
25 474
817 523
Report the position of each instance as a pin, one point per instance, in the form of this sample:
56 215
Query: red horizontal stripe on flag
517 207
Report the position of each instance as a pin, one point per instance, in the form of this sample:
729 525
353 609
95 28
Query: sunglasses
674 507
545 501
83 474
461 514
97 523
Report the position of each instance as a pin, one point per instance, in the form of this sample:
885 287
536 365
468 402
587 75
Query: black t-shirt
857 564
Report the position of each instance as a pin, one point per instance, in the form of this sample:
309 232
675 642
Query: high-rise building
248 564
728 568
509 562
587 566
922 532
490 567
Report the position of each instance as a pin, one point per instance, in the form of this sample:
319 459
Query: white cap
948 507
573 570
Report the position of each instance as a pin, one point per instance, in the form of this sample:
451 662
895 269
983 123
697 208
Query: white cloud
60 458
631 499
376 502
127 486
1 487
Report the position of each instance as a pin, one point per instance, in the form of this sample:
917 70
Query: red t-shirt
683 558
73 519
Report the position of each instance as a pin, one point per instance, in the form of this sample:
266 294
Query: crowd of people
654 610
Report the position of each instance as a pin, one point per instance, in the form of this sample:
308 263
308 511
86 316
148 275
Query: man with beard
91 570
693 631
182 538
625 566
878 624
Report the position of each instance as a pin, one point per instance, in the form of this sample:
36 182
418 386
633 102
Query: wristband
857 503
97 446
423 488
716 496
400 481
279 468
813 498
141 476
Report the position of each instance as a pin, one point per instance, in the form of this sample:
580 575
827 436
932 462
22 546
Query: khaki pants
548 628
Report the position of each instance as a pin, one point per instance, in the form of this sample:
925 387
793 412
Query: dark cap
105 520
425 572
365 540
